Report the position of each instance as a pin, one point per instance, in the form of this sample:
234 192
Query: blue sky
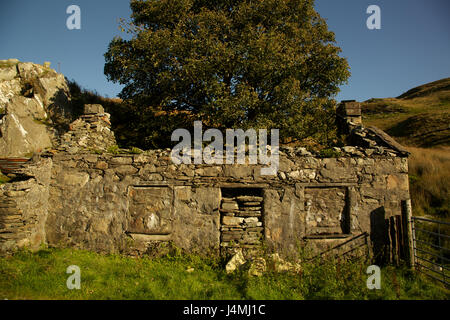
411 48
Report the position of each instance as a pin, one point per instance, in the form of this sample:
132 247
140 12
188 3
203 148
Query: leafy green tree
230 63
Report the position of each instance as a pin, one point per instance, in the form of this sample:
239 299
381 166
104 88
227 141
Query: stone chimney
348 115
90 132
96 116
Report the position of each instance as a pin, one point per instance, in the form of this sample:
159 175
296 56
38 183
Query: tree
230 63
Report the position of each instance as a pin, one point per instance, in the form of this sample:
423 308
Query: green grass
135 150
329 153
114 150
417 118
429 181
42 275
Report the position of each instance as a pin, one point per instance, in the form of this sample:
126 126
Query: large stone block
338 175
207 199
209 171
73 179
93 109
232 221
150 210
238 171
230 205
397 181
125 170
183 194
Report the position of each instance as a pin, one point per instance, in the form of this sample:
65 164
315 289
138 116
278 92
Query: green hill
427 89
419 117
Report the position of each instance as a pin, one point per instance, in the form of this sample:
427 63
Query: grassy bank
417 118
429 171
42 275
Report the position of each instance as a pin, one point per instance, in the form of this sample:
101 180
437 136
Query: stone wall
24 208
90 133
241 212
132 202
81 196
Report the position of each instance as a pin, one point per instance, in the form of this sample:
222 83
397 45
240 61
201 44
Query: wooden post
396 238
407 234
390 241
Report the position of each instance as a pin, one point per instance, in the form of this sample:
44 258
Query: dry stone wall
91 132
24 208
144 203
132 203
241 220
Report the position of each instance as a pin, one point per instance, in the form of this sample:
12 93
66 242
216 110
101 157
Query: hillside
419 117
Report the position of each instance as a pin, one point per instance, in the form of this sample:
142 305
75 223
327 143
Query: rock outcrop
34 99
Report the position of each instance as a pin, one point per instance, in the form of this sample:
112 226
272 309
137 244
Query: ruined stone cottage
79 195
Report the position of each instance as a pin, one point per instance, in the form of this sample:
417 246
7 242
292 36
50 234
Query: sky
411 48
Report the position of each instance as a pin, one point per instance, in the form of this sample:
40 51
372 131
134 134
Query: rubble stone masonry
139 203
127 203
